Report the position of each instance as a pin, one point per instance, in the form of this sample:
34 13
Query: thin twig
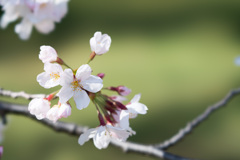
21 94
73 129
191 125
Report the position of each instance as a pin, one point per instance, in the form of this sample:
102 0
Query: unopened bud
101 75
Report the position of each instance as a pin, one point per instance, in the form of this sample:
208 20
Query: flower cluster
41 14
84 87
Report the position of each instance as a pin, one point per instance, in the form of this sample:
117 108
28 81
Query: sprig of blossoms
41 14
84 87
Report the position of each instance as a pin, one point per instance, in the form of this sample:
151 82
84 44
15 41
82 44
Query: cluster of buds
84 87
41 14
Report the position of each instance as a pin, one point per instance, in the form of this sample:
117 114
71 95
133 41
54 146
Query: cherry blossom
76 86
102 135
59 111
135 108
47 54
51 76
39 13
118 98
99 43
39 107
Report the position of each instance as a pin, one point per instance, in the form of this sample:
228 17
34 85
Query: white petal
93 43
102 138
83 72
66 77
45 26
42 79
81 99
64 110
86 136
92 84
118 133
47 54
124 119
24 29
136 98
136 108
52 114
53 67
39 107
9 17
65 93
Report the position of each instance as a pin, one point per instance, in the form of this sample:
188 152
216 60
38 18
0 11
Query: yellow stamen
54 76
76 86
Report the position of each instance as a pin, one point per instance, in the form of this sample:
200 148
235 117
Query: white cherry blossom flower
39 107
39 13
51 76
59 111
102 135
99 43
75 86
47 54
135 108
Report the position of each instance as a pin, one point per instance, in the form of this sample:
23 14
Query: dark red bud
121 106
101 75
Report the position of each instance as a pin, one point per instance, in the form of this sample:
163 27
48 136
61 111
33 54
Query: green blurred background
178 54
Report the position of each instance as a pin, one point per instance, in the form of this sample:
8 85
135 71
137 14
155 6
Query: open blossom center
54 76
76 86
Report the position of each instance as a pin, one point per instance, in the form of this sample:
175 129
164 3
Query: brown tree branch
73 129
191 125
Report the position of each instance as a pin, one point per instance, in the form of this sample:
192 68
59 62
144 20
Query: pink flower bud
101 75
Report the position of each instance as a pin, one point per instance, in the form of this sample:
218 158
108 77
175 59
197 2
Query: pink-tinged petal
136 98
65 93
66 77
64 110
86 136
24 29
81 99
47 54
52 114
123 91
118 98
45 26
83 72
118 133
92 84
